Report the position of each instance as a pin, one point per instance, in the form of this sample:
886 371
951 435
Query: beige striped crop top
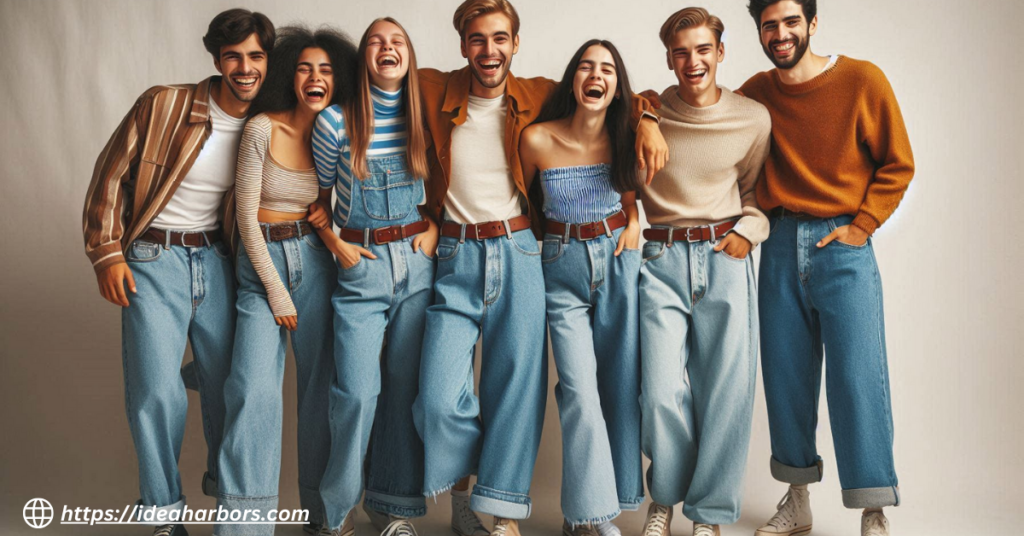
262 182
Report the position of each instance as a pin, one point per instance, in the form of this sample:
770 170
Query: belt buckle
378 239
689 239
579 230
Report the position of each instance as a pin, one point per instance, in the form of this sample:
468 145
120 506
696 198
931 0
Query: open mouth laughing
783 48
315 94
593 91
696 75
245 82
490 66
387 61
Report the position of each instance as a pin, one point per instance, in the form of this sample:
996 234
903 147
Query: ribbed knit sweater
716 154
839 145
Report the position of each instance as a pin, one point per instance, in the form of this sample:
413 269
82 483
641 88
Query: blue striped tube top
579 194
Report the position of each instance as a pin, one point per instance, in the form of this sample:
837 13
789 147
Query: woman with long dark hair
582 152
286 276
372 154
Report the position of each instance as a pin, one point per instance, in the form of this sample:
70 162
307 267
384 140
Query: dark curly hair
756 7
278 91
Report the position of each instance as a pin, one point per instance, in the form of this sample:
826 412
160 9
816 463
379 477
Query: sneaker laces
786 511
468 518
164 530
656 521
500 527
874 523
326 531
701 529
399 527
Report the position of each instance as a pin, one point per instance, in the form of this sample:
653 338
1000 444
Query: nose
489 48
246 64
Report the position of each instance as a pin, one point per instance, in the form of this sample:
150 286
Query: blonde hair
471 9
359 112
691 17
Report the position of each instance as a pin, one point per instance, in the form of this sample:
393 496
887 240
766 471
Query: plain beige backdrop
950 258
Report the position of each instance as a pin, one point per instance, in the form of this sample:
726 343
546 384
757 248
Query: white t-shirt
481 188
195 204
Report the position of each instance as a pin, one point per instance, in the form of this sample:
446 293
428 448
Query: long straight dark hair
562 104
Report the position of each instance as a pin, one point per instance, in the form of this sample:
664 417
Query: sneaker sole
460 533
802 531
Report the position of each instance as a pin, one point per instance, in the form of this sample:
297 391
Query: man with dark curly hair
158 219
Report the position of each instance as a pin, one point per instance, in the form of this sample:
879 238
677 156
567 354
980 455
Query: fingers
279 320
720 246
122 298
622 245
131 280
291 323
831 236
365 253
416 243
650 173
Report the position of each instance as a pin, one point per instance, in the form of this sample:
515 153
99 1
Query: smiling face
596 82
314 79
489 46
694 54
387 60
243 66
786 33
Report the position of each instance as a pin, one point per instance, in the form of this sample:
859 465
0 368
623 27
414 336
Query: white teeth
593 90
387 61
245 81
701 72
784 47
491 64
315 92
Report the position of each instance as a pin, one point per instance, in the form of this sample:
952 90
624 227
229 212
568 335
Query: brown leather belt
195 239
781 212
383 235
277 232
587 231
483 231
689 234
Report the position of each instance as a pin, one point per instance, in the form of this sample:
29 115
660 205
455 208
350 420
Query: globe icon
38 513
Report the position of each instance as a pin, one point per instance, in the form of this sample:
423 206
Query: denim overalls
379 303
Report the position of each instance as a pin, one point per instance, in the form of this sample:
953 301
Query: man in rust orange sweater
839 165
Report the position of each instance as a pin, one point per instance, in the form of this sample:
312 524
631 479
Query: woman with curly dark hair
285 274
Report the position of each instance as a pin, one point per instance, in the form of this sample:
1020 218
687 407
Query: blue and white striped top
579 194
332 150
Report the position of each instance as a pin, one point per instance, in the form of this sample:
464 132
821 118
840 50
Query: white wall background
949 257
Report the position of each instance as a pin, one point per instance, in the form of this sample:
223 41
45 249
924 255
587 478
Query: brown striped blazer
142 165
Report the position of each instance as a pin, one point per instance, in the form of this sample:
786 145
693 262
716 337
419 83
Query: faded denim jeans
819 303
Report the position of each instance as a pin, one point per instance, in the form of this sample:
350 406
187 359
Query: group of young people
389 218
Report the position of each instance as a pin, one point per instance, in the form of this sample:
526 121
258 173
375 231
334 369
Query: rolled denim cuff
150 515
631 505
310 500
500 503
796 475
871 497
408 506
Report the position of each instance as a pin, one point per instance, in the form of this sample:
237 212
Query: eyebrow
495 34
684 49
786 19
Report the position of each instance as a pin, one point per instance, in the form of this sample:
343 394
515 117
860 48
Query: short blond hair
471 9
691 17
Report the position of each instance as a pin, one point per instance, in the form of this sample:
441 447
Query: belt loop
462 233
207 240
711 228
508 229
298 228
366 238
566 233
266 232
671 238
607 228
167 239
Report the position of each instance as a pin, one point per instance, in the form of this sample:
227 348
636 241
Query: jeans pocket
390 191
221 249
447 248
525 242
552 250
314 241
142 251
351 271
653 250
840 221
731 258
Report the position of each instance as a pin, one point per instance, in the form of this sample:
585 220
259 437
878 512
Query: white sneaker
464 520
586 529
399 526
659 520
608 529
874 524
379 520
701 529
793 517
